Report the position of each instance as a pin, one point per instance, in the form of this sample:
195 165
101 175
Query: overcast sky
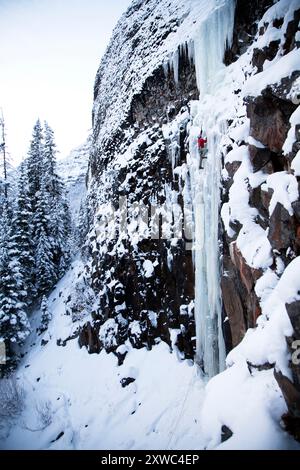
49 54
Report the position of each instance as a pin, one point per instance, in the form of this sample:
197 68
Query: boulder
125 381
259 157
293 311
282 228
244 270
232 301
232 168
88 337
269 119
267 53
290 393
226 433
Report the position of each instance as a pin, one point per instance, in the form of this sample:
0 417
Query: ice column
210 42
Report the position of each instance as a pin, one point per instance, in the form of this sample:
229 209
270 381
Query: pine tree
49 162
14 325
46 315
60 219
45 271
48 214
22 233
35 163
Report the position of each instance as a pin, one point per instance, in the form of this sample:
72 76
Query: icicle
166 68
191 53
210 41
175 65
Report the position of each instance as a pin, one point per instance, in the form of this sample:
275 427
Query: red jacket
201 142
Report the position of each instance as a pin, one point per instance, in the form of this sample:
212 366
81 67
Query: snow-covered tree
14 325
45 271
45 314
22 232
60 220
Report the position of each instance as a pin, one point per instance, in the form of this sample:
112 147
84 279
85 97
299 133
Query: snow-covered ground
86 401
80 395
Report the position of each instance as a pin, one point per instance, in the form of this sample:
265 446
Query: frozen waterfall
210 42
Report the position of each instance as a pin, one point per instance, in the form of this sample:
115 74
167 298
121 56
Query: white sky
49 54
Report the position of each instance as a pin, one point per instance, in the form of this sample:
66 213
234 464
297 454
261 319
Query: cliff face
146 121
146 80
271 101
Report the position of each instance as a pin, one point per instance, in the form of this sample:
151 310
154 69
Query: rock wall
136 162
269 114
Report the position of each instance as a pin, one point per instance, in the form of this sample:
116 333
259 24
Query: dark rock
256 199
260 367
185 341
226 433
293 310
290 393
267 53
232 168
242 267
63 342
259 157
58 436
269 119
291 30
121 357
233 304
282 228
245 26
89 337
126 381
296 209
266 197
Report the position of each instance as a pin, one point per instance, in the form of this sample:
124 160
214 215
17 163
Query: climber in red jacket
201 142
202 148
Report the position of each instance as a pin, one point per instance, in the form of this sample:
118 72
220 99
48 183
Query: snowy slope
87 402
68 391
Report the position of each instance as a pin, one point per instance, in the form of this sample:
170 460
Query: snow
275 72
236 155
285 190
87 402
73 169
256 427
240 133
296 164
277 11
148 268
108 332
243 388
294 120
